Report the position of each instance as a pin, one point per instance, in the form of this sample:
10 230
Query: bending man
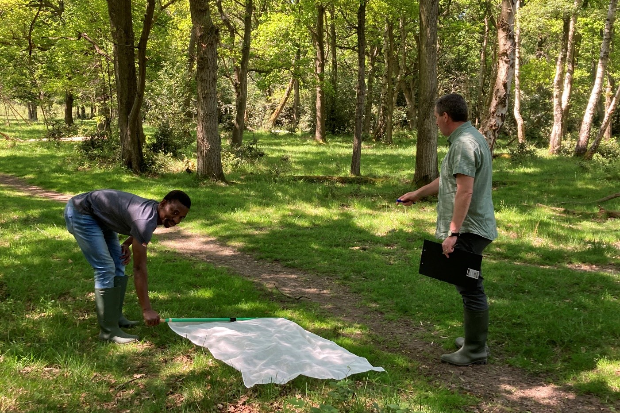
465 215
95 219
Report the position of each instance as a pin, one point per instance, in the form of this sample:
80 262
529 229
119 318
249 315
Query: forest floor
500 387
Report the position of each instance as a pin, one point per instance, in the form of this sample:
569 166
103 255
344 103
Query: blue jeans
474 299
99 245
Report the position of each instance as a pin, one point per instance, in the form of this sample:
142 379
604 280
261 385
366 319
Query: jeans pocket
69 217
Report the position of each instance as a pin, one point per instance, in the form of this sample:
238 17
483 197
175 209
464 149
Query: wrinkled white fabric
273 350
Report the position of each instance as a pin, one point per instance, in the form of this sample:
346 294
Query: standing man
95 219
465 215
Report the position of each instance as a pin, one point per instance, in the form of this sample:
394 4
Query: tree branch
598 201
8 138
97 48
607 198
31 29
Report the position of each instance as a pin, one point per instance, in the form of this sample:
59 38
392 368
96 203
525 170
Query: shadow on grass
551 320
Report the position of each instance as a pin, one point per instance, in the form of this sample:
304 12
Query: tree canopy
289 65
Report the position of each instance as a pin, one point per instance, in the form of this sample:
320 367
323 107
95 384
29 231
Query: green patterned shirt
469 155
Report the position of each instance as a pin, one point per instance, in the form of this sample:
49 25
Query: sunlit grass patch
603 379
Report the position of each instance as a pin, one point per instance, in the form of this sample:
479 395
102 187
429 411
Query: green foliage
608 148
245 155
340 107
169 141
606 159
99 149
157 162
169 96
57 129
522 152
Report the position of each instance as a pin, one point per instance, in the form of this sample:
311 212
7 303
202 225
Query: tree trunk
606 124
135 115
498 107
609 93
319 70
68 108
555 140
209 146
426 148
276 113
360 92
482 71
296 104
383 129
586 124
293 86
332 104
370 91
32 111
405 82
517 107
129 90
570 64
240 76
332 50
191 63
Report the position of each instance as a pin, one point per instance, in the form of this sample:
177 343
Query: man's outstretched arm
140 279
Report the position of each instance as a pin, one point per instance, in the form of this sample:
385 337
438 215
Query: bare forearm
142 288
151 318
462 200
461 206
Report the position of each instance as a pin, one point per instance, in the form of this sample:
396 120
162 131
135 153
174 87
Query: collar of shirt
457 132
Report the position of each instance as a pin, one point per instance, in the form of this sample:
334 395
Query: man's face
171 212
442 123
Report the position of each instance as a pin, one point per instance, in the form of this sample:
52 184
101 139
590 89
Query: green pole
203 320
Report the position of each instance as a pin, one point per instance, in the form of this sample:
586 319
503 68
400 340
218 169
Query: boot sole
111 340
481 362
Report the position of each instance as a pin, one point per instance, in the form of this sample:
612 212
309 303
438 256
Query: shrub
169 140
235 157
58 129
99 148
157 162
522 152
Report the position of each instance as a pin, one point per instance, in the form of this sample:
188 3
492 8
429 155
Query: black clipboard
462 268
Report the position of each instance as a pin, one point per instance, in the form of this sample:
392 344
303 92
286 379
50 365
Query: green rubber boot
461 340
474 349
121 282
107 304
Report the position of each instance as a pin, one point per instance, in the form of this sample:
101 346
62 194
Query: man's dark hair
454 105
180 196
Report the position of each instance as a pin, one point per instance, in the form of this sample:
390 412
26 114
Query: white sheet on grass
273 350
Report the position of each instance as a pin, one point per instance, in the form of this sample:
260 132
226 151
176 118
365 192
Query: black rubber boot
474 349
121 282
107 304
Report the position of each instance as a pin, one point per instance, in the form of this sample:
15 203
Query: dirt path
500 387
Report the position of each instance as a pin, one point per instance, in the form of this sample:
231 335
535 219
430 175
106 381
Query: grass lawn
551 276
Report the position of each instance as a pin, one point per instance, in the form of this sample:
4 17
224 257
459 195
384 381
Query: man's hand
125 251
151 317
448 245
412 197
408 199
125 254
